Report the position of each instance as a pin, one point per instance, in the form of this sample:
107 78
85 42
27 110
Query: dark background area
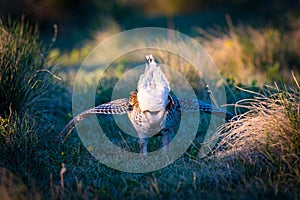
78 20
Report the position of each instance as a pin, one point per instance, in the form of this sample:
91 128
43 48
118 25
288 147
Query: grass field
257 156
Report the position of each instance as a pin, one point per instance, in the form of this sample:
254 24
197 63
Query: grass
261 53
257 156
27 84
267 137
33 102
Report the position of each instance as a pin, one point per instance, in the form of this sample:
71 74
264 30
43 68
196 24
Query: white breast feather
153 88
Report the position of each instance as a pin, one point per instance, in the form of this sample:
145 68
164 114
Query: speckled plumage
152 119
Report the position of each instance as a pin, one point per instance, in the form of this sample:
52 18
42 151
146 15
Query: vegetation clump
266 137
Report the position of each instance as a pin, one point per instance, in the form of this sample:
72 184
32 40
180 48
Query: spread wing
195 105
119 106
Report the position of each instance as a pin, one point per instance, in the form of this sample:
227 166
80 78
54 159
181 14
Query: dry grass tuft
267 135
246 53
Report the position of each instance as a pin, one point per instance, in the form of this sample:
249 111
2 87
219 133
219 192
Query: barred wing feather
195 105
119 106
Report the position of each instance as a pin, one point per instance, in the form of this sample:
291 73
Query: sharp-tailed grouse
151 109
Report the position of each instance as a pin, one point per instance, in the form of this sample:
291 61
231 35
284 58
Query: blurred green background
250 40
78 20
